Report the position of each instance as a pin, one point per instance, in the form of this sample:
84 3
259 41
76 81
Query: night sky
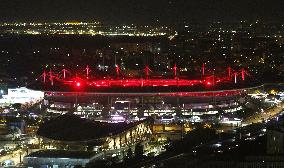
141 11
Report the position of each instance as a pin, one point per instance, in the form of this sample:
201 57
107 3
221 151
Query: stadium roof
70 127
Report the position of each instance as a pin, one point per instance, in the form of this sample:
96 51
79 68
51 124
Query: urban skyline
141 84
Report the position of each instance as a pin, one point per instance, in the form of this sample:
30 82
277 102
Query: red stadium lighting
243 74
83 82
175 70
203 69
78 84
208 83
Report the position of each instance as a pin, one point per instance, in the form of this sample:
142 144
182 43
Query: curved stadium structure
162 96
84 133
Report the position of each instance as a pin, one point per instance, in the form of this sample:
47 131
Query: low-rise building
59 158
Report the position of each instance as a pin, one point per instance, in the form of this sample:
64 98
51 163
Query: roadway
14 156
265 115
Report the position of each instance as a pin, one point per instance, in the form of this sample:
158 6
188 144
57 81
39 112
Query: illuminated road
267 114
14 156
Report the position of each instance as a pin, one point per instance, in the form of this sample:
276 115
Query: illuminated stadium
155 95
67 81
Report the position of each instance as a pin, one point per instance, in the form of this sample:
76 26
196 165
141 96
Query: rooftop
62 154
70 127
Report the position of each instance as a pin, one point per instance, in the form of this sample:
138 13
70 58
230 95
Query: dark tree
178 112
129 153
139 150
140 113
105 112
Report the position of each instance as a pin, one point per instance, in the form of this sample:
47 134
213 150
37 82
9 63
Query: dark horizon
141 12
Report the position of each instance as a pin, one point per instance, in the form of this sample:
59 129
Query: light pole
20 156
